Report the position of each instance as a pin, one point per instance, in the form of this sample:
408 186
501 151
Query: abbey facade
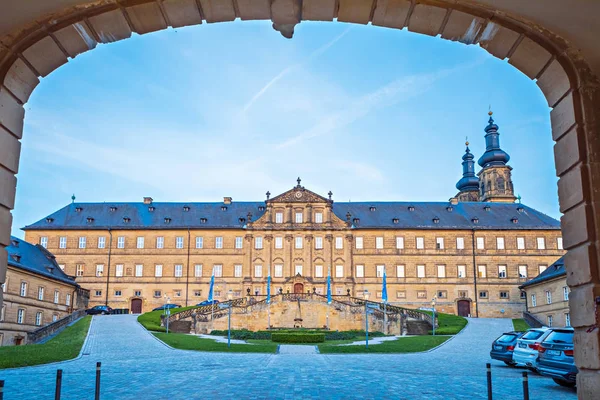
470 253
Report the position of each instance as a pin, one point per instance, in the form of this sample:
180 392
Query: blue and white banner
384 296
269 289
212 285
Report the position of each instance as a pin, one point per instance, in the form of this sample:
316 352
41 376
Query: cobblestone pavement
135 365
298 349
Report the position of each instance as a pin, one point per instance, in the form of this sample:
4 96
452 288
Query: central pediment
299 194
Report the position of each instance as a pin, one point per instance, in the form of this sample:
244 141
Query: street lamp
366 295
433 308
229 297
167 310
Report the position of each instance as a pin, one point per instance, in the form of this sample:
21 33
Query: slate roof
36 259
556 270
488 216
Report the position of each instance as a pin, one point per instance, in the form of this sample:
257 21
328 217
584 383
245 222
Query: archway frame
571 89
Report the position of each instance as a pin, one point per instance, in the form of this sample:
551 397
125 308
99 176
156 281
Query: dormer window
261 208
223 208
186 208
242 220
78 209
395 220
520 209
151 208
203 220
16 257
449 208
90 220
475 220
487 208
49 268
514 220
356 221
126 219
113 209
49 220
167 220
14 243
372 208
436 220
411 208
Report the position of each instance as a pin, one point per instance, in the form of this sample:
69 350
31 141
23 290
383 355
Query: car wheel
510 363
564 383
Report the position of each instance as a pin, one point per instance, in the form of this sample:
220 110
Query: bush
244 334
298 337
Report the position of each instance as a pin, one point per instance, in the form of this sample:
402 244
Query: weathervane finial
73 198
298 180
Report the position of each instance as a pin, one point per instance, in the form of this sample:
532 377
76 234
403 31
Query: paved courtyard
137 366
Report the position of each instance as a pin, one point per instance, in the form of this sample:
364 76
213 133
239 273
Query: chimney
147 200
227 200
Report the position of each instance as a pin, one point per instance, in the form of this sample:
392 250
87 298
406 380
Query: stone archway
34 47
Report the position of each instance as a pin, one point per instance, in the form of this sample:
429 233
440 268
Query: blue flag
384 289
328 288
269 289
210 290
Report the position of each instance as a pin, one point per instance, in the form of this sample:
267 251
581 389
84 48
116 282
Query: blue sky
234 109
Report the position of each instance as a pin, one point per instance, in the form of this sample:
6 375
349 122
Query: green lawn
448 324
520 325
64 346
190 342
412 344
151 319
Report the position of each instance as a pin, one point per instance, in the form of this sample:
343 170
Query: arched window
500 184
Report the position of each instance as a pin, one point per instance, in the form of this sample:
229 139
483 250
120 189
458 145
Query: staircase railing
532 320
56 326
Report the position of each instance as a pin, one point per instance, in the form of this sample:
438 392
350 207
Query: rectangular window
339 242
298 242
101 242
279 218
219 242
41 293
179 242
298 270
140 242
258 271
360 271
401 294
480 243
441 270
62 242
400 272
278 270
481 271
399 242
533 300
420 243
318 242
23 289
549 320
258 242
520 243
239 242
139 270
160 242
379 270
442 294
567 319
158 271
178 271
523 295
54 318
237 271
157 293
118 293
420 271
379 242
38 318
178 293
565 293
318 271
44 241
541 243
501 271
98 293
99 270
504 295
483 294
218 270
278 242
462 271
82 241
197 293
359 242
463 294
20 315
68 299
439 243
559 245
421 294
522 271
56 296
198 270
460 243
298 217
319 218
119 270
548 297
137 293
542 268
199 242
121 242
500 243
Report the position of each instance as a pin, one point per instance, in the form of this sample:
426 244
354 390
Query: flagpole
328 294
384 292
269 300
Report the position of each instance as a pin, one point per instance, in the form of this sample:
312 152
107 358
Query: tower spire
493 155
468 185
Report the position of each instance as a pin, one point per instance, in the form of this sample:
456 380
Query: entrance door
136 306
298 288
464 308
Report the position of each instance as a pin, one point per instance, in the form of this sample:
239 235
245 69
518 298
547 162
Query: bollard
1 389
58 384
97 395
488 366
525 386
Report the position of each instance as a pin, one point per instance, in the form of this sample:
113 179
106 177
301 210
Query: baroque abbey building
472 252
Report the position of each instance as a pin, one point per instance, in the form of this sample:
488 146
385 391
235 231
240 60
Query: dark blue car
207 303
167 307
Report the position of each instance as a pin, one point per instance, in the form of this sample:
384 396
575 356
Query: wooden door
298 288
464 308
136 306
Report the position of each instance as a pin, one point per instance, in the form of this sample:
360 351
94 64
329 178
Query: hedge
244 334
298 337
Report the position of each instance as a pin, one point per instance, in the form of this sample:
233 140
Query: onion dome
469 181
493 155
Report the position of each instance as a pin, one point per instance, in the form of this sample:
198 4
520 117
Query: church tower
495 181
468 185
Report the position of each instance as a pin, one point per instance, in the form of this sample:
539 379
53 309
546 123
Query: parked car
503 347
207 303
167 307
526 349
556 357
103 310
